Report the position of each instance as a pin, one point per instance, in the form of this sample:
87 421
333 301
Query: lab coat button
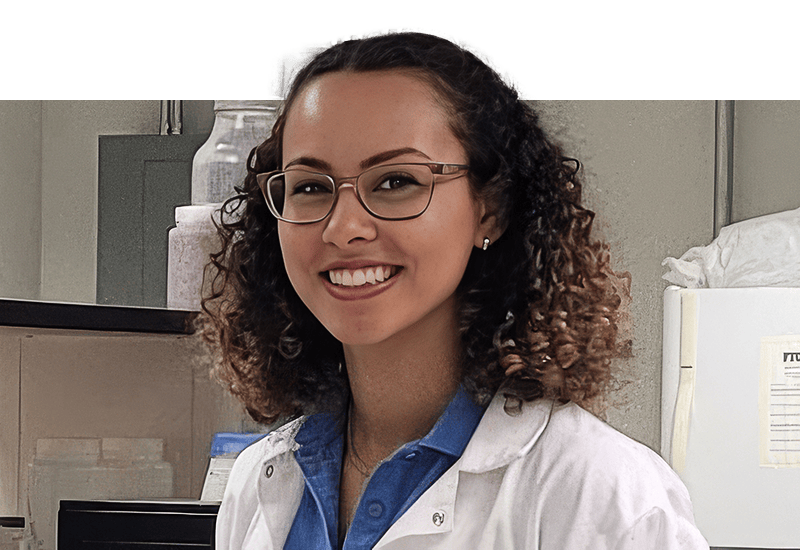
438 518
268 472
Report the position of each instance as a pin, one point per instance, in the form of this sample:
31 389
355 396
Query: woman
408 277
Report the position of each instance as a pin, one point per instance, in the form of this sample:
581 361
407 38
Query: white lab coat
553 477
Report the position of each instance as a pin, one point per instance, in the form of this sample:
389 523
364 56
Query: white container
221 163
191 243
89 469
729 430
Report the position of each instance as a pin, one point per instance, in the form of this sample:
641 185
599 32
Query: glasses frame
438 170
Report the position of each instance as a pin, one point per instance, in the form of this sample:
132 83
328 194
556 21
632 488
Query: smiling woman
409 276
427 253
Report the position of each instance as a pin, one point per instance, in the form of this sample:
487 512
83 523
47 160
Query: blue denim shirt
393 487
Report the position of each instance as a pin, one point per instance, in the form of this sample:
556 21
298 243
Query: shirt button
375 509
412 455
438 518
268 472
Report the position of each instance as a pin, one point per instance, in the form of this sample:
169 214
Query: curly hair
539 310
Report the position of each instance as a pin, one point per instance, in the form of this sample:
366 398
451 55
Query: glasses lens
396 191
300 196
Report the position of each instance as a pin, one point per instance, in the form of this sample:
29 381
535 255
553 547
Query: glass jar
220 163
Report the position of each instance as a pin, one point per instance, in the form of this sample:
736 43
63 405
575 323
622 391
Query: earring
486 243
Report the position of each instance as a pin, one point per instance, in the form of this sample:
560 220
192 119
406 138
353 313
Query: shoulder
576 453
569 480
577 444
240 503
250 460
609 483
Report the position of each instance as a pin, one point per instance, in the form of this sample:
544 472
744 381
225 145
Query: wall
69 187
766 160
649 176
21 191
48 177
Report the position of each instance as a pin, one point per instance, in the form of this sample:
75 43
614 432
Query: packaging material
92 468
224 449
763 251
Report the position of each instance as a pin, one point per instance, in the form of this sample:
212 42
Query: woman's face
337 124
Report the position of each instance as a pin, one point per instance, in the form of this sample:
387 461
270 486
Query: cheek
295 249
448 248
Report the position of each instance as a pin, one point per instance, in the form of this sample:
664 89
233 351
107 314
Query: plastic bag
763 251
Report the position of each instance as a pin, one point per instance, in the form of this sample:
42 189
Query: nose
349 222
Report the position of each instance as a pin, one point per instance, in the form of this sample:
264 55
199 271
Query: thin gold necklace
353 456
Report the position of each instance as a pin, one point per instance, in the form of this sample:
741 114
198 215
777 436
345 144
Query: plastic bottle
191 243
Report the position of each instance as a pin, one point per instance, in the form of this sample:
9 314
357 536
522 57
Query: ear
489 225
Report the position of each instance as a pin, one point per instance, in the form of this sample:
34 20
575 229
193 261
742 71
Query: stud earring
486 243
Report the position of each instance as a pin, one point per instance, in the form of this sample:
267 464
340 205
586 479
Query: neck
401 387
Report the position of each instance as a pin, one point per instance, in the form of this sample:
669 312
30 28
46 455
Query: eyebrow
374 160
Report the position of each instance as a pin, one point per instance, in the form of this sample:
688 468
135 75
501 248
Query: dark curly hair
538 310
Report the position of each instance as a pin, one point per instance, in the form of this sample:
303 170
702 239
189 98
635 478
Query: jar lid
244 105
196 214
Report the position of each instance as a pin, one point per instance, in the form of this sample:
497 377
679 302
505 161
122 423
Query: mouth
371 275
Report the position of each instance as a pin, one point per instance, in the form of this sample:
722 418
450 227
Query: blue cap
232 443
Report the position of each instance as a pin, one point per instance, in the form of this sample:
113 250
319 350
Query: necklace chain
353 457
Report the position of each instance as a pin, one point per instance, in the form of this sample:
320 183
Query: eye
396 181
307 188
310 187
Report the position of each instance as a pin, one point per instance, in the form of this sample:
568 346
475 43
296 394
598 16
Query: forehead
345 114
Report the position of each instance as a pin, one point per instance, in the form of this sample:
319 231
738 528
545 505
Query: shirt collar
449 435
455 427
498 439
319 430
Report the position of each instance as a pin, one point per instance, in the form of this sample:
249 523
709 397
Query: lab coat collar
499 439
279 487
502 437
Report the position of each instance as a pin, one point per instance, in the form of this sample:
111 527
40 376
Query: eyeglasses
388 192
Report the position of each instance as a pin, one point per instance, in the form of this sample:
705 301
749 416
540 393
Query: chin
369 334
348 338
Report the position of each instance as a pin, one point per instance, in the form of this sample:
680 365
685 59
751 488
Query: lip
363 292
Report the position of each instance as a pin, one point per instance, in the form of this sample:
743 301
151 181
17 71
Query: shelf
27 313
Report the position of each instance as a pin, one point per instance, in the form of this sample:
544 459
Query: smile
360 277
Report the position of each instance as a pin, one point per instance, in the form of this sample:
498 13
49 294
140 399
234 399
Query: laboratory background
102 205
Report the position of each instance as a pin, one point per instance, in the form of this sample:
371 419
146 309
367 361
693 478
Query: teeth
347 278
360 277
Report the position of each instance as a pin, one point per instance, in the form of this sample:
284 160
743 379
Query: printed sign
779 401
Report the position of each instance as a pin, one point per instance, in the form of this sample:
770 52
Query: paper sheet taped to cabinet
779 401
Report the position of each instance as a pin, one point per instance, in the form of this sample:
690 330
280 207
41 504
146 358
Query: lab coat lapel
280 486
502 438
498 440
431 514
